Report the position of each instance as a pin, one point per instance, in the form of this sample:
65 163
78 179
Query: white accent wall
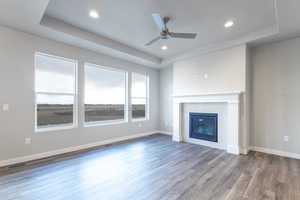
17 89
221 71
215 72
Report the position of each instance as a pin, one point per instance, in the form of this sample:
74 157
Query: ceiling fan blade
152 41
159 21
184 35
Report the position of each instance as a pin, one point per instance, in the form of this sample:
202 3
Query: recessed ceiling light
164 47
94 14
228 24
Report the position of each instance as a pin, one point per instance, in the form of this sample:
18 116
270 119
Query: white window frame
75 96
106 122
147 106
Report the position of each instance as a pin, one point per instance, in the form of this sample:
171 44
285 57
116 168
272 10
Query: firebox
204 126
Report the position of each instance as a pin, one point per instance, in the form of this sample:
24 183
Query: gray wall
276 96
274 78
17 89
166 102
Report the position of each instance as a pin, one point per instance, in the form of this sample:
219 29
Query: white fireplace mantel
232 99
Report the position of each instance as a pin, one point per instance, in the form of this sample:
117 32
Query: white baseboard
244 150
22 159
233 149
276 152
110 141
165 132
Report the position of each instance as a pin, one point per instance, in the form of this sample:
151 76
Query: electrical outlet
5 107
27 140
139 124
286 138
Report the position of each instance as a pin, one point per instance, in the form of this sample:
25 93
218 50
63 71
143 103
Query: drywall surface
215 72
166 101
276 96
17 51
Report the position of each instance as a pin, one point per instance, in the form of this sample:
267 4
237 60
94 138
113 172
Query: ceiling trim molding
42 10
39 23
102 42
252 37
123 51
273 30
276 12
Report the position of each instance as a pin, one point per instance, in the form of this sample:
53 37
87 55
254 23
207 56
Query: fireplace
203 126
234 125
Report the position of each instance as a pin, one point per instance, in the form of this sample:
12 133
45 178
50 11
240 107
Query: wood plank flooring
155 168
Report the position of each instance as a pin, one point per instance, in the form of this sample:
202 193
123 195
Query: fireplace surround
232 101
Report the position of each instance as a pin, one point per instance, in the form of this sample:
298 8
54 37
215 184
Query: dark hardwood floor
155 168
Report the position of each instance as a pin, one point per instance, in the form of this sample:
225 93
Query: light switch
5 107
27 140
205 76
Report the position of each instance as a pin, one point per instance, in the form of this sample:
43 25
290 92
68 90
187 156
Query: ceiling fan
165 33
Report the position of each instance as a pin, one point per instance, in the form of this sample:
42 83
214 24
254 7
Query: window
105 95
139 96
55 92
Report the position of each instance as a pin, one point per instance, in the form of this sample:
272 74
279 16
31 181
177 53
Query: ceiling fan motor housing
165 34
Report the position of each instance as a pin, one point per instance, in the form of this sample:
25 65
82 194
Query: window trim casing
126 106
75 96
147 98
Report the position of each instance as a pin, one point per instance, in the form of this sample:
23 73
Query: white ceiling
130 22
125 26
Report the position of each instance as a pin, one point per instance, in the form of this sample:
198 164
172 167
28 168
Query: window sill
139 120
105 123
55 128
